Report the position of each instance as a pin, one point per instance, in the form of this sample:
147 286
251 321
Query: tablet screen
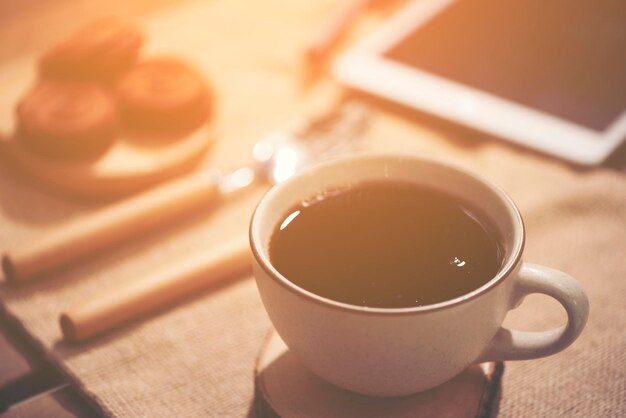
563 57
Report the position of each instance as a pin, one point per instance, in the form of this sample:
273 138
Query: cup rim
510 266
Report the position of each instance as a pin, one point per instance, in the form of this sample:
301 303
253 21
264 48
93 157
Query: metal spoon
278 156
282 153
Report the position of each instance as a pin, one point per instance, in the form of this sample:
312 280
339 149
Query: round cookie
67 120
99 52
163 95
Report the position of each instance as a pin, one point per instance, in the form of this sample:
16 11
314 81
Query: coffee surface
385 244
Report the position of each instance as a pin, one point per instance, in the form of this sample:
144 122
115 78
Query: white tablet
550 75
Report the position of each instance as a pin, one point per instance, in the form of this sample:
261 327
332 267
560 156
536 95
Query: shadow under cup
386 351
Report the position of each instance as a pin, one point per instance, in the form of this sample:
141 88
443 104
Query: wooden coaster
285 389
129 165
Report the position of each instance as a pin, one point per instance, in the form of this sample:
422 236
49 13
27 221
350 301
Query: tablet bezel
365 67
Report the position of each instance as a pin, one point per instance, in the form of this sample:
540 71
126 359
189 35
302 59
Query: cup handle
521 345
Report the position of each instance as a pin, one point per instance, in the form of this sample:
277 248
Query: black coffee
385 244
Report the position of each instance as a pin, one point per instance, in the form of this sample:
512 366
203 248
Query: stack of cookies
92 87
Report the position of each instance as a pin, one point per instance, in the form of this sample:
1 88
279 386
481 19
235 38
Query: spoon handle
110 225
155 291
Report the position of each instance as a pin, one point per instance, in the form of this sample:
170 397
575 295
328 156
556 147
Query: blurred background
27 26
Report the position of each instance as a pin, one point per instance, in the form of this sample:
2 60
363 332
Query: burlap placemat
197 358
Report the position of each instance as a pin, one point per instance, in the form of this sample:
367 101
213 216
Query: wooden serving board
129 165
284 388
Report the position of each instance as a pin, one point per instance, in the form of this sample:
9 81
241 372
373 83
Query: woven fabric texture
197 357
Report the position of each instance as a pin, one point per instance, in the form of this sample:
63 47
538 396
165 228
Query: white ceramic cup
398 351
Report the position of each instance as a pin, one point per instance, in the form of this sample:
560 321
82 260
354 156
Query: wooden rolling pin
138 297
112 224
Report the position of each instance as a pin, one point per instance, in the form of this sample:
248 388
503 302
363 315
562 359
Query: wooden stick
125 303
110 225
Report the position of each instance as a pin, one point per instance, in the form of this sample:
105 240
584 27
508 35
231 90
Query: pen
331 30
